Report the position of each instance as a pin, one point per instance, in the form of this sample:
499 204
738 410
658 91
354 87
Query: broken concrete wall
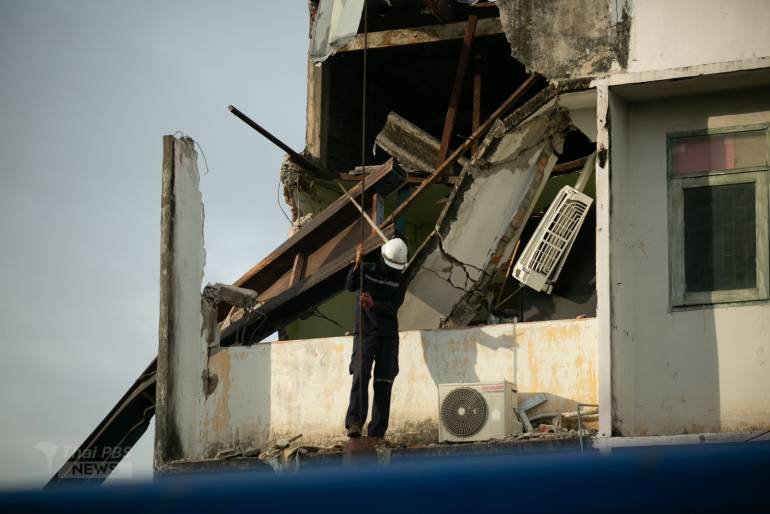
278 390
474 237
568 38
182 346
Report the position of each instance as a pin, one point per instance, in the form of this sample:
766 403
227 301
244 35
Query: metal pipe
294 156
580 427
304 163
585 174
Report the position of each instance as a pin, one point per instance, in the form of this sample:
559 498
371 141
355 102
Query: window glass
720 237
716 152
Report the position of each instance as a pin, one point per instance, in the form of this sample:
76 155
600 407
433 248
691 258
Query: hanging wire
278 200
195 143
317 312
497 306
361 413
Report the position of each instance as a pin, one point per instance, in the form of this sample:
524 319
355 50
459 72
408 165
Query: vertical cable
361 413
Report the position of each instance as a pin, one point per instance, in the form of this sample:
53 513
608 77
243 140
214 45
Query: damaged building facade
477 115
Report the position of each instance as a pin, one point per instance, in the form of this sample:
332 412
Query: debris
252 451
306 269
228 453
414 149
477 134
529 403
284 443
230 295
452 272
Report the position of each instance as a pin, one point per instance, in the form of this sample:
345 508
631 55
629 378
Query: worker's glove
367 302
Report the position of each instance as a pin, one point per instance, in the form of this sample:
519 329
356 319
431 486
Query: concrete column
603 272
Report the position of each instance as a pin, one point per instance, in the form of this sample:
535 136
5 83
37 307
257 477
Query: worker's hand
359 256
367 302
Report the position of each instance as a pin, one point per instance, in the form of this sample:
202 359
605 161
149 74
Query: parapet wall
285 388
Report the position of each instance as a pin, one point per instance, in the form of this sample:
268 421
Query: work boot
354 431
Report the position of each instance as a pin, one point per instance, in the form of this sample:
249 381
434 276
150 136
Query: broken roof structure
478 115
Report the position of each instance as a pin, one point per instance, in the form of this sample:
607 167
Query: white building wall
698 370
281 389
677 33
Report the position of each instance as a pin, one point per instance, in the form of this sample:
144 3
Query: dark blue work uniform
386 286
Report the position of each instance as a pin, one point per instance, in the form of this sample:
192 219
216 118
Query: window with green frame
718 215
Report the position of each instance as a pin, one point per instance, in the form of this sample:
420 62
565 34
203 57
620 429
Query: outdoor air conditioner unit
477 412
543 258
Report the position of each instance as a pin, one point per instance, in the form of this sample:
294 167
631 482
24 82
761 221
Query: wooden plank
464 147
420 35
457 88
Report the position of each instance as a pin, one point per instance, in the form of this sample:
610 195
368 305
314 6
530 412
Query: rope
361 413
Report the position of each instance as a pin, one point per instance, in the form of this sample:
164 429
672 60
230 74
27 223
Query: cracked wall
453 270
568 38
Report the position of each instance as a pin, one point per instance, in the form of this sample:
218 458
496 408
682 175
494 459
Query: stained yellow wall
281 389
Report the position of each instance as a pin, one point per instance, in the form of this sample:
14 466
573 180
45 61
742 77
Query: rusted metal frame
507 104
476 116
295 301
115 435
297 269
457 88
422 35
378 208
313 235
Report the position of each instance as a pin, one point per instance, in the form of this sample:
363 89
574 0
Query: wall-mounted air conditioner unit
547 250
477 412
544 256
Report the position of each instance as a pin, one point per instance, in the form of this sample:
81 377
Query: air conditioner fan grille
463 412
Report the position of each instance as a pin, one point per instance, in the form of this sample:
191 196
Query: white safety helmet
394 253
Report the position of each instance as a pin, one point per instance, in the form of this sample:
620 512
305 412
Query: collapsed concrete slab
414 149
486 212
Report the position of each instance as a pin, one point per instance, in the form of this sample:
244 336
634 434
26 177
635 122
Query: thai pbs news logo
88 463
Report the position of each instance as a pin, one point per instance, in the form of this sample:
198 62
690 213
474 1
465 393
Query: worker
383 293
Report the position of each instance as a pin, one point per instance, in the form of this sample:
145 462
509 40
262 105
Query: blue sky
87 90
